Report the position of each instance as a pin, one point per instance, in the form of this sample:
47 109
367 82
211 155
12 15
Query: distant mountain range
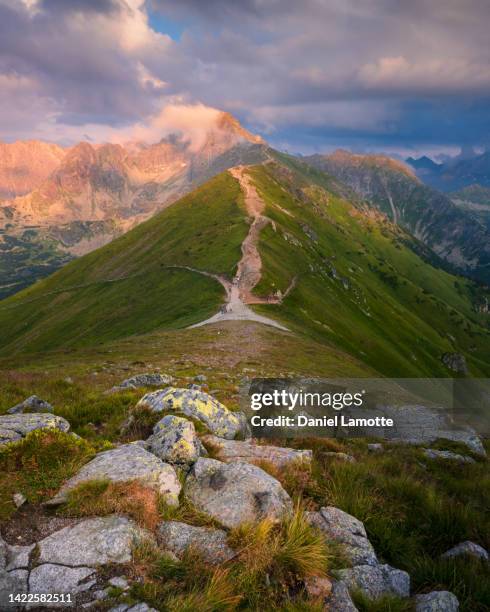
454 174
59 203
322 263
452 232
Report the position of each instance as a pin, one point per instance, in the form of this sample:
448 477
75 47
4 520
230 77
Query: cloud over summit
308 74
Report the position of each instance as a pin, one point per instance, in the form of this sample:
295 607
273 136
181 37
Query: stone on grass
339 456
340 599
209 542
139 607
235 493
432 453
16 426
466 549
92 542
119 582
455 362
436 601
143 380
19 499
125 463
348 531
196 404
375 447
375 581
249 451
174 440
31 404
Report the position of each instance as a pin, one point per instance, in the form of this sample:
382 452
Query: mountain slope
98 192
332 271
455 236
456 173
474 199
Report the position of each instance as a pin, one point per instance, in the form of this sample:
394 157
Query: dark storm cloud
376 71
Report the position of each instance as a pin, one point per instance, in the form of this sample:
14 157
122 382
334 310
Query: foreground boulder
375 581
16 426
143 380
235 493
466 549
437 601
92 542
174 440
198 405
249 451
210 543
31 404
348 531
128 462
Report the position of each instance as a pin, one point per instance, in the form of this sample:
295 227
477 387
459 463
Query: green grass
38 465
414 509
272 559
126 288
359 289
359 286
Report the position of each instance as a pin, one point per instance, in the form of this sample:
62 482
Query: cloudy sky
309 75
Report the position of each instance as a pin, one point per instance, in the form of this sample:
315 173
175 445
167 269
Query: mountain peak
228 123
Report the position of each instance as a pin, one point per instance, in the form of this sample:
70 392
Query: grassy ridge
359 285
124 288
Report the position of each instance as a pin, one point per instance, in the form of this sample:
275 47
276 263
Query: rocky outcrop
375 581
198 405
31 404
250 452
235 493
14 561
210 543
16 426
436 601
53 578
68 560
143 380
174 440
432 453
128 462
418 424
467 549
92 542
455 362
348 531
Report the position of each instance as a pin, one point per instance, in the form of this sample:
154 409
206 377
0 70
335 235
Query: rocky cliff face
73 201
453 234
25 165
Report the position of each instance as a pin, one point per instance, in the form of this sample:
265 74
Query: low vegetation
272 559
38 465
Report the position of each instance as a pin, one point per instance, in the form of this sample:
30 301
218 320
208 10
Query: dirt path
239 291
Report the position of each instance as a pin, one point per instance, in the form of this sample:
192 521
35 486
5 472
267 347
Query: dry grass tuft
102 497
